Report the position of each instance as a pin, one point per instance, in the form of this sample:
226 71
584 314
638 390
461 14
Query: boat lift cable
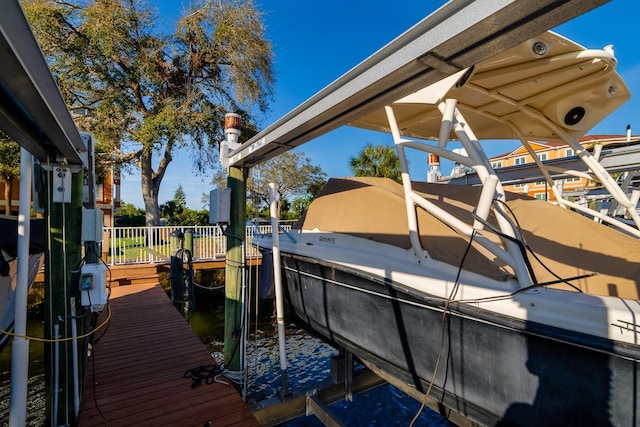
238 323
95 396
510 295
256 296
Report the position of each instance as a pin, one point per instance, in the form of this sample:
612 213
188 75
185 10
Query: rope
182 283
208 288
47 340
205 373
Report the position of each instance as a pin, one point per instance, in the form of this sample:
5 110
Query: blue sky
315 42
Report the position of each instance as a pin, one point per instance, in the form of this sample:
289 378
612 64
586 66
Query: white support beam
456 36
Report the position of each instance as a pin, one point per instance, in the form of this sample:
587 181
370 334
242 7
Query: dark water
35 391
308 363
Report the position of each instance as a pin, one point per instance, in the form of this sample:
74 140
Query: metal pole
74 358
20 349
277 276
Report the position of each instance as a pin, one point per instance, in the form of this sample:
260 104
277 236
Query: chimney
232 126
628 133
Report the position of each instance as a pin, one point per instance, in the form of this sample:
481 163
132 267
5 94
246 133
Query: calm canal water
36 392
308 359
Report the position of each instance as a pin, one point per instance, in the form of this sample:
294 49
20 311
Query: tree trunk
150 186
152 212
150 182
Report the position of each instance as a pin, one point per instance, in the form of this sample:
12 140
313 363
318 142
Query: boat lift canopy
456 36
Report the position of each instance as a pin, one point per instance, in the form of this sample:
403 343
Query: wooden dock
140 362
147 274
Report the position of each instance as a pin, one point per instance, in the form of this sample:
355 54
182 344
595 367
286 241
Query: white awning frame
454 37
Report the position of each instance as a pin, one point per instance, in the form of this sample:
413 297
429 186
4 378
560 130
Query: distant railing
145 245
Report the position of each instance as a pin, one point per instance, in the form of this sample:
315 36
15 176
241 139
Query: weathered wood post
234 268
237 182
188 240
61 283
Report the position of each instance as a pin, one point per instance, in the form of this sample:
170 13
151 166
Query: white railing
145 245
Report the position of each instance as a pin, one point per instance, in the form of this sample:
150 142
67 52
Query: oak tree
293 176
144 91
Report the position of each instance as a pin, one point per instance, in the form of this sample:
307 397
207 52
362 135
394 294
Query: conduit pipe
20 349
245 323
56 373
74 355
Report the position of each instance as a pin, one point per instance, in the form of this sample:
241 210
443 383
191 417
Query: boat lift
457 35
454 37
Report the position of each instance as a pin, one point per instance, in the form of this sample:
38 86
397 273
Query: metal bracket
315 407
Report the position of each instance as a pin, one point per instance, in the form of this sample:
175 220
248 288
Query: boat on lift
506 309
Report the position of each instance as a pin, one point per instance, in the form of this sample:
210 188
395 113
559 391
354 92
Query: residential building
550 151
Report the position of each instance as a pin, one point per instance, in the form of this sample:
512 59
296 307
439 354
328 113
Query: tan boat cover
568 244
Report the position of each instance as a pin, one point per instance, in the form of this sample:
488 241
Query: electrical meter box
93 286
92 221
220 206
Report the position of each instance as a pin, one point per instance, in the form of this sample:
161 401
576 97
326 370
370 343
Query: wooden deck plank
139 369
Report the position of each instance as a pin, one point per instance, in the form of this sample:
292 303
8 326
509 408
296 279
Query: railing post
135 245
149 239
112 244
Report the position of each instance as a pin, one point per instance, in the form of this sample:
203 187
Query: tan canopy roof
575 88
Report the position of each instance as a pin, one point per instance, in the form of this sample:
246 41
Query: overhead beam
32 110
456 36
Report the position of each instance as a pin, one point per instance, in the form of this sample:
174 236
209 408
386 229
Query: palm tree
377 161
